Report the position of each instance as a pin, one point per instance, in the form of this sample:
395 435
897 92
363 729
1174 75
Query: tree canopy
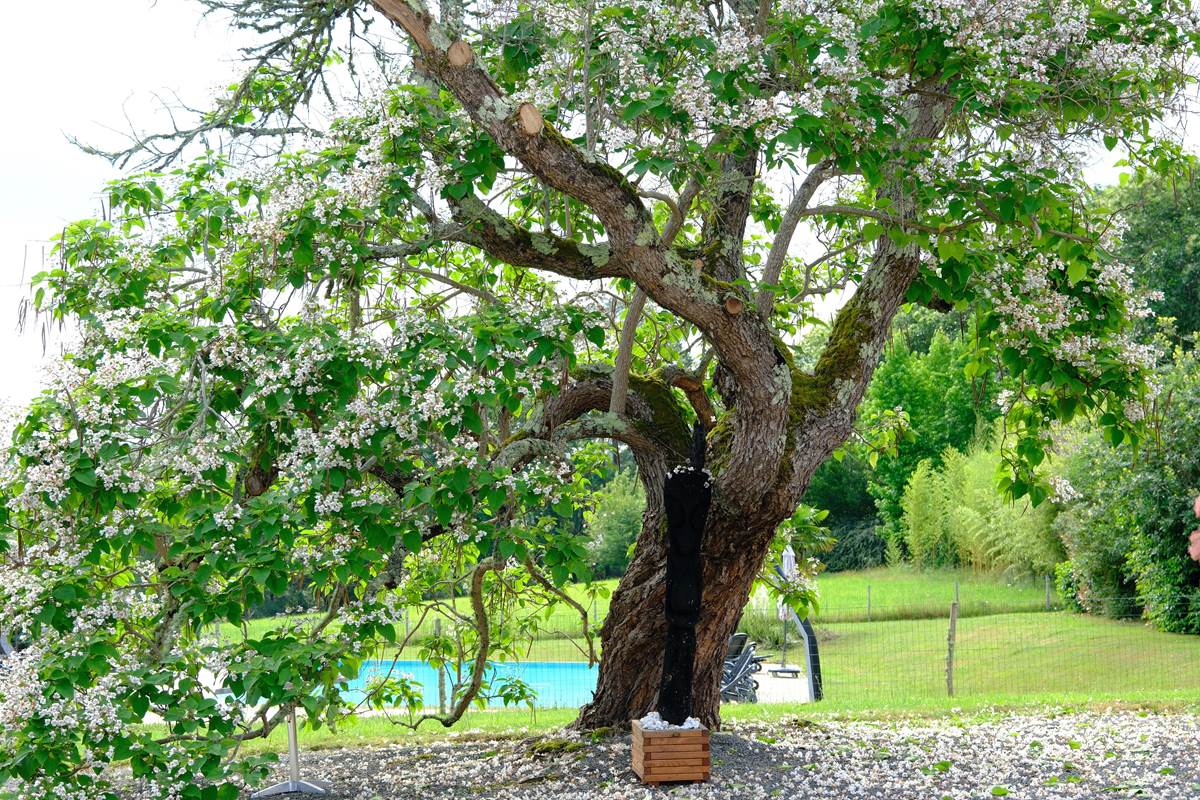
1160 240
366 339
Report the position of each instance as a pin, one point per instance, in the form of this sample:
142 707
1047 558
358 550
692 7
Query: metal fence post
294 784
868 602
437 632
950 649
1047 592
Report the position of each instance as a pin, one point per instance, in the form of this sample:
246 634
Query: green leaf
951 248
1076 271
302 253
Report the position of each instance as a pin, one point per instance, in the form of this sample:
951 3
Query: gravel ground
1044 757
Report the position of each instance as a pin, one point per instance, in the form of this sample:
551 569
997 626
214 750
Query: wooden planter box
667 756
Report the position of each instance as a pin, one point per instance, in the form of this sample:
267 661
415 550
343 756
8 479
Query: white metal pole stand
293 785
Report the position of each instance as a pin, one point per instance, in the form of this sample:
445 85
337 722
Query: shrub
1095 532
1126 534
990 531
1066 585
764 627
1161 483
857 545
924 521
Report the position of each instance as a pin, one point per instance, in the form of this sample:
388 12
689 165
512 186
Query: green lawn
905 593
891 668
1004 657
896 593
565 623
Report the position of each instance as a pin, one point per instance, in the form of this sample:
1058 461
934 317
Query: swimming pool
559 684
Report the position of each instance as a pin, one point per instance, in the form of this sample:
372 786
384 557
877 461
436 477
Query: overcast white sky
79 67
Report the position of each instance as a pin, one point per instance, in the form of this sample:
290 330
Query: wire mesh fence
1005 656
877 654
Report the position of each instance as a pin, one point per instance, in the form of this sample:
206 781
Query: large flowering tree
372 352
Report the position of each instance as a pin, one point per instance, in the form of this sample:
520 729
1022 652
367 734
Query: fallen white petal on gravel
1048 756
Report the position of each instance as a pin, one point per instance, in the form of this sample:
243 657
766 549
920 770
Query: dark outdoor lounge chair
741 663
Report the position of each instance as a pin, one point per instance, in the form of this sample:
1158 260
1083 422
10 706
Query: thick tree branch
512 244
680 211
652 419
624 359
744 342
637 304
635 249
478 225
787 229
520 131
725 227
860 331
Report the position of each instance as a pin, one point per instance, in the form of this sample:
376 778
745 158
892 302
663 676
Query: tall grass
954 516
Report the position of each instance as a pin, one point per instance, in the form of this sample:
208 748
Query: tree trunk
634 631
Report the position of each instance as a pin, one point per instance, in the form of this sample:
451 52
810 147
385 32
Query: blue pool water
559 684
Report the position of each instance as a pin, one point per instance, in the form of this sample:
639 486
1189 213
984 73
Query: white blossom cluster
1012 45
97 712
1030 307
1063 491
1015 39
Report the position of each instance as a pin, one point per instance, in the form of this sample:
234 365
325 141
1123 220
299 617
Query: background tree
945 409
1162 239
919 405
614 524
345 361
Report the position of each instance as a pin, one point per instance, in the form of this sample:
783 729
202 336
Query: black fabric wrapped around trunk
686 497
